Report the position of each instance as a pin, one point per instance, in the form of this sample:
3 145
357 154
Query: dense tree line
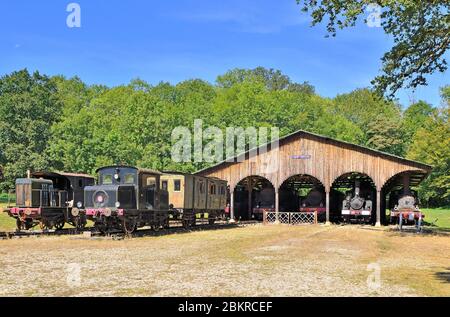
64 124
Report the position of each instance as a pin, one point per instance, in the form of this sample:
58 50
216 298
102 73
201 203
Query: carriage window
222 190
213 190
129 179
177 185
151 181
164 185
80 183
107 180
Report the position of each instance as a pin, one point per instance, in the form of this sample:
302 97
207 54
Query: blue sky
183 39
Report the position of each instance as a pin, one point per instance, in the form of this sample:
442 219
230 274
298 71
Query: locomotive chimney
406 189
357 188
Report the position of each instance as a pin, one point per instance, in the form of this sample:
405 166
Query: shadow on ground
443 276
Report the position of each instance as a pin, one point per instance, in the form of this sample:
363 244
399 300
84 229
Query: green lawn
439 216
6 222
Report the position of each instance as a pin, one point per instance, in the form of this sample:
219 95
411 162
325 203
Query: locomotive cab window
150 181
129 179
107 179
177 185
213 190
164 185
80 183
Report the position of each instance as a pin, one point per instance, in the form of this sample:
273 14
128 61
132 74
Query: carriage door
44 195
149 188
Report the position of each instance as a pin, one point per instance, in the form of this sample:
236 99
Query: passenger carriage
192 196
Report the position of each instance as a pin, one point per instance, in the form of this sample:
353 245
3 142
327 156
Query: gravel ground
251 261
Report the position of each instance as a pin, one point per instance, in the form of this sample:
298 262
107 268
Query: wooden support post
250 189
232 206
378 223
327 206
277 206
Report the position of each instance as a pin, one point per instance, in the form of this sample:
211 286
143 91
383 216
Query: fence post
315 217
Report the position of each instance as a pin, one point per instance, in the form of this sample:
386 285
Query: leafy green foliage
420 30
64 124
431 144
28 108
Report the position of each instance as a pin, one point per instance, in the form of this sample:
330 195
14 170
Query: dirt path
251 261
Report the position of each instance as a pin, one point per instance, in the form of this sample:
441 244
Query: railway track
92 232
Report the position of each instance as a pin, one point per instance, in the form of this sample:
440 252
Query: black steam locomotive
47 199
357 205
404 204
126 198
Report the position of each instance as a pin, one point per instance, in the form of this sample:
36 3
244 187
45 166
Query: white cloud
249 16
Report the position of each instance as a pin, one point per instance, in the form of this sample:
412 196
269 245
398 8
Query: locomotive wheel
45 226
129 225
186 223
79 223
59 224
20 225
211 221
155 227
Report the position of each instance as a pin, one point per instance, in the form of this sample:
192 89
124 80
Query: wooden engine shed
304 159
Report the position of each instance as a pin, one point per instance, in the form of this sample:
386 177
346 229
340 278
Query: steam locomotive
47 199
264 202
357 205
404 202
314 201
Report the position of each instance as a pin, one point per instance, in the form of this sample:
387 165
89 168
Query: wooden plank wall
328 160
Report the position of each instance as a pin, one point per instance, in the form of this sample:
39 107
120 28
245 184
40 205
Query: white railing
292 218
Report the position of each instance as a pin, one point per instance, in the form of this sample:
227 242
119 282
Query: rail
292 218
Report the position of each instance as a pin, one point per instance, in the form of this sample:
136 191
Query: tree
420 30
272 79
414 118
28 108
384 134
431 144
377 118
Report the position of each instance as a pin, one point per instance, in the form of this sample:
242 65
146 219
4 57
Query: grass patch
7 223
440 217
4 198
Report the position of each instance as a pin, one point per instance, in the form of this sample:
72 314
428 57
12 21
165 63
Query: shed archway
397 187
252 196
354 198
303 193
